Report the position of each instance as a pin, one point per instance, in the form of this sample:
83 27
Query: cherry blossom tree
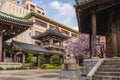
79 46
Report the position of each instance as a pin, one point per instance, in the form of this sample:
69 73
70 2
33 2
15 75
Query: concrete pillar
23 59
93 33
0 48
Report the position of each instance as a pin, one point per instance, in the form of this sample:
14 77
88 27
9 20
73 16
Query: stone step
109 69
112 60
108 73
101 77
109 66
111 63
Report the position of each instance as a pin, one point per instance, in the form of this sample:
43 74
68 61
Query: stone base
10 65
72 75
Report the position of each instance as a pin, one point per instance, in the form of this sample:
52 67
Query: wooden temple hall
10 26
49 43
100 17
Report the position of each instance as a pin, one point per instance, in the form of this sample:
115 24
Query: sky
62 11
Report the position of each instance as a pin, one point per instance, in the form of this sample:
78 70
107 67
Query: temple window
52 26
42 24
73 35
37 33
64 32
38 11
43 13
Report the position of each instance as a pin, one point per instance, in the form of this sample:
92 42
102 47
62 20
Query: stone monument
70 68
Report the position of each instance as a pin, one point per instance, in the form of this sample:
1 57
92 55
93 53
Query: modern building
13 9
30 6
12 1
24 1
41 22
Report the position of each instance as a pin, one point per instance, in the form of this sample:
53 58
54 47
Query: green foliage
12 68
30 60
18 68
55 59
53 67
41 59
1 68
21 68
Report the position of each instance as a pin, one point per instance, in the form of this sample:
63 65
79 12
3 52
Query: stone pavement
30 75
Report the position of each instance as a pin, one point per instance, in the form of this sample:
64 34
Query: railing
57 46
82 2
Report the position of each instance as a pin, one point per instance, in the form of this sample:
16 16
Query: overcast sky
60 10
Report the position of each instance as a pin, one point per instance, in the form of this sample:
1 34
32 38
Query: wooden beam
23 59
0 48
93 33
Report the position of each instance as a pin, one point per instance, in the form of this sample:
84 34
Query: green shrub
12 68
30 60
43 66
18 68
21 68
41 60
55 60
53 67
1 68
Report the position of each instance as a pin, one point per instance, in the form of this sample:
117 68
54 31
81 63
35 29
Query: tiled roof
14 18
33 48
51 31
28 47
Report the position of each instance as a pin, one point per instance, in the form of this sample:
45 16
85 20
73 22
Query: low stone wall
10 65
88 64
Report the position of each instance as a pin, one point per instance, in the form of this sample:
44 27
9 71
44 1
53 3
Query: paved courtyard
30 75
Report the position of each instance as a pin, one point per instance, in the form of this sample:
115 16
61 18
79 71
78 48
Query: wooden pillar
15 58
0 48
23 59
118 41
93 33
90 44
61 43
61 60
50 60
115 43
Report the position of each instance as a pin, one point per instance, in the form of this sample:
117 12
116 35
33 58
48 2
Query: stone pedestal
70 75
71 65
70 68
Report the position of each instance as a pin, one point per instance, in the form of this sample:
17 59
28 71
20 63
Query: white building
30 6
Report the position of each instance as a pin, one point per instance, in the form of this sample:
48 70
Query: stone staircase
108 70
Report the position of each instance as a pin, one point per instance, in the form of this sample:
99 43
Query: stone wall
88 64
10 65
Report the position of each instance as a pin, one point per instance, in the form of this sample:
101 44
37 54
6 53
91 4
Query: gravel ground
30 75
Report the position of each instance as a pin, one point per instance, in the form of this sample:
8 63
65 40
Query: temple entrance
103 20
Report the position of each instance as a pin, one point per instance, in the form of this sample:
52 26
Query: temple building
11 26
51 44
100 18
44 35
37 15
